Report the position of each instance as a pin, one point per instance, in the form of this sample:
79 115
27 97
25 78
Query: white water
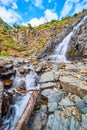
19 102
61 50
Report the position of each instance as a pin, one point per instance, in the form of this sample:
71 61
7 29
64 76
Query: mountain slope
39 41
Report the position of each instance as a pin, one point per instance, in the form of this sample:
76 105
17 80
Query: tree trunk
27 112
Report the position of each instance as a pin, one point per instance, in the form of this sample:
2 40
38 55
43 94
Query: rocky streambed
62 104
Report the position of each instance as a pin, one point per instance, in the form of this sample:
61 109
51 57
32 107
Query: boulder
47 77
73 85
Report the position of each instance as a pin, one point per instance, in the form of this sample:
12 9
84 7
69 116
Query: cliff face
78 43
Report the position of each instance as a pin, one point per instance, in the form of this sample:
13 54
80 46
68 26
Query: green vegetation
4 53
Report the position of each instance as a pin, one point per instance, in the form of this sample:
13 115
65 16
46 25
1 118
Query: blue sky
38 12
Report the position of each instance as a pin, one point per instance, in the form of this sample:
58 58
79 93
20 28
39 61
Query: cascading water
19 102
61 50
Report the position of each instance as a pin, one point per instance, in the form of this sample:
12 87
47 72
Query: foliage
15 25
4 53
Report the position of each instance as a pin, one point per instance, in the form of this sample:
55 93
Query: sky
38 12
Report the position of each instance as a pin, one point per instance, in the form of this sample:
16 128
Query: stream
19 102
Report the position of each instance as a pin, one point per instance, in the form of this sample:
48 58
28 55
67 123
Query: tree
15 25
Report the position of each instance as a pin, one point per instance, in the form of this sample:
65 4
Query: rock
43 108
7 83
50 121
52 106
66 102
85 99
40 120
73 85
8 74
78 42
84 122
9 66
1 97
21 85
47 77
82 106
52 95
39 69
48 85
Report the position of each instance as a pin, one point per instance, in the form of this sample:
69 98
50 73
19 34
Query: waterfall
61 50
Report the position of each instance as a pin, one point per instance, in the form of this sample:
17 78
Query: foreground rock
73 85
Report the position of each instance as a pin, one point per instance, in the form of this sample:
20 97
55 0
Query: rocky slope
39 41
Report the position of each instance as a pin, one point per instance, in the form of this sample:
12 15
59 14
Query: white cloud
48 16
9 2
9 15
49 1
26 0
73 5
81 6
38 3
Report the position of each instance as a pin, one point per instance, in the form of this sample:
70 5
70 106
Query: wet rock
21 85
47 77
1 97
66 102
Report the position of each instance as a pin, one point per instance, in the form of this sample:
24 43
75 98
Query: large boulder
73 85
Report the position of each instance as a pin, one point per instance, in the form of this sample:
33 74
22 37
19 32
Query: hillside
38 41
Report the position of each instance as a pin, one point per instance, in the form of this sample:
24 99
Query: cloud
38 3
11 3
26 0
73 5
48 16
80 6
9 15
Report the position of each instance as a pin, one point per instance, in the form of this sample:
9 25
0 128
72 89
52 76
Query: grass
4 53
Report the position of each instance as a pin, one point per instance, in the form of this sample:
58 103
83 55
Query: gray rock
52 106
55 97
48 85
82 106
84 122
66 102
47 77
74 124
43 108
40 120
52 95
50 121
